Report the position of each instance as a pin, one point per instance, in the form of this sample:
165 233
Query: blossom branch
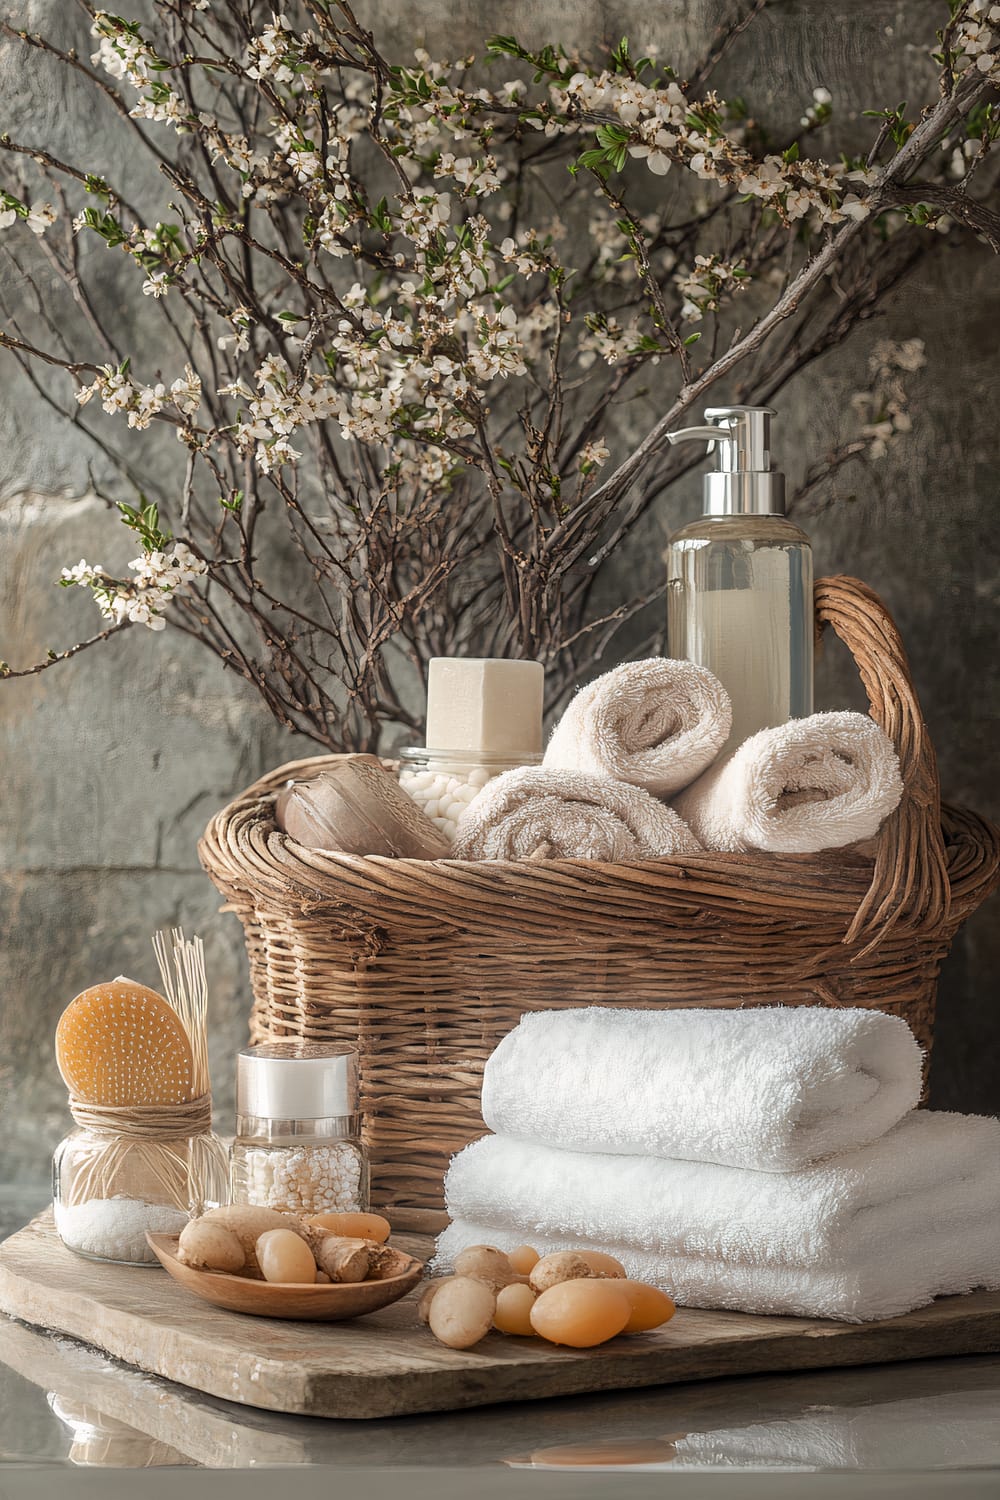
919 145
391 364
57 656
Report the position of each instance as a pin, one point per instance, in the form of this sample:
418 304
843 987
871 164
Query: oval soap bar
357 807
581 1313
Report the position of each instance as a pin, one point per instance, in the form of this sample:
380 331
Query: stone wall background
113 764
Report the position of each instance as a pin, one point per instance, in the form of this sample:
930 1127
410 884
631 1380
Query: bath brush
121 1043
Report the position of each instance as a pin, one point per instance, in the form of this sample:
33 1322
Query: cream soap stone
485 705
484 716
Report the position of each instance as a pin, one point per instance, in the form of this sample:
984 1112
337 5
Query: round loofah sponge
120 1043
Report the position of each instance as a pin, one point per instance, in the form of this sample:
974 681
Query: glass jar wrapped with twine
142 1157
126 1170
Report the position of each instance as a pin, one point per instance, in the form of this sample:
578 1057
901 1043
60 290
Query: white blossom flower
158 574
141 403
40 217
703 285
84 573
241 322
854 207
593 454
882 409
819 109
155 284
185 392
7 217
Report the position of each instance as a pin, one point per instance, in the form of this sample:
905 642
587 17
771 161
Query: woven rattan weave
426 965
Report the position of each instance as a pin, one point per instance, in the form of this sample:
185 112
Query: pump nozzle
744 482
699 435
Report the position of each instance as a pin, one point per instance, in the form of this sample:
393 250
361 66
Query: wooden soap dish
268 1299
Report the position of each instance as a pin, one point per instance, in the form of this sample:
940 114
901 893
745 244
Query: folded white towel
772 1088
566 815
867 1235
810 784
655 723
950 1261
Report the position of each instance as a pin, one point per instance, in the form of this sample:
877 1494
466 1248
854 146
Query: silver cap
743 483
296 1081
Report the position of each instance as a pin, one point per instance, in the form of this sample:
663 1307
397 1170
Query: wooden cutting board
387 1365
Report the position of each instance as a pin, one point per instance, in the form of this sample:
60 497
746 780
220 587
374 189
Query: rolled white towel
867 1235
810 784
566 815
773 1088
656 724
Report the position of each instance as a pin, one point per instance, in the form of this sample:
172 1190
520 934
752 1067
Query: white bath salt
115 1228
313 1179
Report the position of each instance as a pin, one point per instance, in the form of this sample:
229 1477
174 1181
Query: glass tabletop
64 1403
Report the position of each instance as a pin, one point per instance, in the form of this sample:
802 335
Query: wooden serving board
387 1365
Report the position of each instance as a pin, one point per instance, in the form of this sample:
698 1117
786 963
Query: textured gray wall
113 764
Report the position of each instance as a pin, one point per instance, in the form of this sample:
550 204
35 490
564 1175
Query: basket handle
910 882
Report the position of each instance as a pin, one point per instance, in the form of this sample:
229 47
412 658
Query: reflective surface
63 1403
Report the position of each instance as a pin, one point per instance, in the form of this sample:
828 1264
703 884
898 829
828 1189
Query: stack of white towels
634 770
767 1160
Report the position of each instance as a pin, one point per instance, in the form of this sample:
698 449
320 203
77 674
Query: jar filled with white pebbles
298 1142
443 782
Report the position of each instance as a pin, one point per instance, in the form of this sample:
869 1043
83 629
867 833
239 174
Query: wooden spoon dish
273 1299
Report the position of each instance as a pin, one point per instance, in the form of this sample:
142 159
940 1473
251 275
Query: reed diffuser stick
185 985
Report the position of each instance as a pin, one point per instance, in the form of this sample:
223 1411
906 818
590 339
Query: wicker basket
426 964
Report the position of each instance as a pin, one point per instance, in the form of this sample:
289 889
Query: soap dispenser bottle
740 580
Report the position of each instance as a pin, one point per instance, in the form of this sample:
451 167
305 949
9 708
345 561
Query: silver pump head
743 483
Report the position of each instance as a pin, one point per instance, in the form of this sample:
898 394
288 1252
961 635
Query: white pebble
303 1179
443 795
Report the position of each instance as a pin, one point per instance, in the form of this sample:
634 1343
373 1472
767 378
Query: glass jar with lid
298 1142
443 782
124 1171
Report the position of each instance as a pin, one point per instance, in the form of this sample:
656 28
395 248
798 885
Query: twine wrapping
146 1122
164 1152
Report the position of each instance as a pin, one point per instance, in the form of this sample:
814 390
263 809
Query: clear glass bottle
298 1144
443 782
740 580
109 1188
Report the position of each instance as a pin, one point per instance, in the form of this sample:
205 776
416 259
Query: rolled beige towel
567 815
816 783
656 724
